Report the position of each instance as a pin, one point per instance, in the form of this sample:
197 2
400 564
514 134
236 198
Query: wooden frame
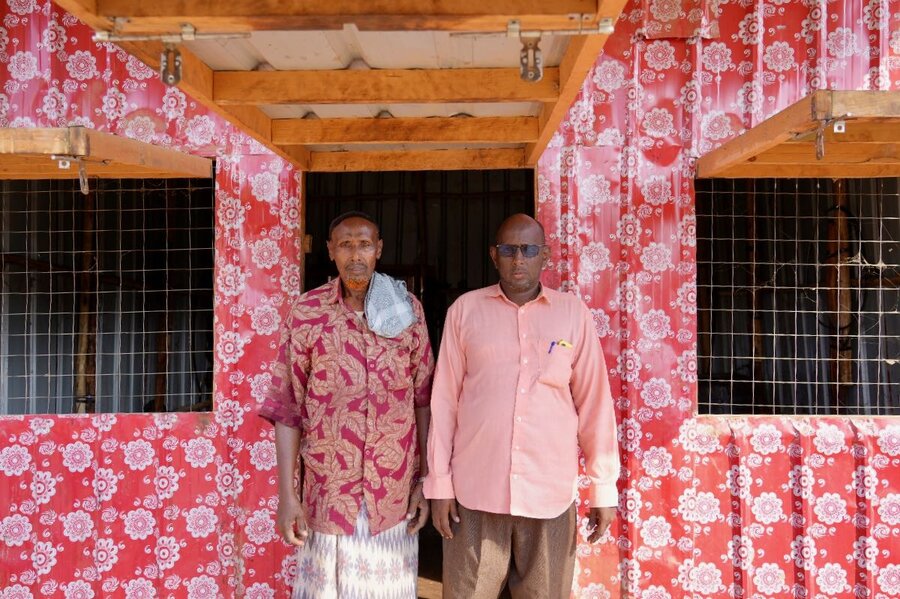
29 154
785 145
293 132
382 86
239 96
384 15
196 81
580 57
423 160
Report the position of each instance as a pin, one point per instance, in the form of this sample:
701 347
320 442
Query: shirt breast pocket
398 356
556 366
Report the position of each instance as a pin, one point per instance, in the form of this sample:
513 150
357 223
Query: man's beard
356 283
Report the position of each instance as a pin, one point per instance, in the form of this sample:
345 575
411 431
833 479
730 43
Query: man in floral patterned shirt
353 406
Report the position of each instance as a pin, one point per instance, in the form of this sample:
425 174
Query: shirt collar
334 296
497 291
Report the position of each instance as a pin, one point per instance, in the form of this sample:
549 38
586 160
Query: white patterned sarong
358 566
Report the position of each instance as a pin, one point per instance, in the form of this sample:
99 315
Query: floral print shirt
353 395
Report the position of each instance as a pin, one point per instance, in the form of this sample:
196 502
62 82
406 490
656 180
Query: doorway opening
436 227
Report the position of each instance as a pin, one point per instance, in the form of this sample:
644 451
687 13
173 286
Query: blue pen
552 343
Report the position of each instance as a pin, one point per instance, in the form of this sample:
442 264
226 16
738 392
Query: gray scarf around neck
389 310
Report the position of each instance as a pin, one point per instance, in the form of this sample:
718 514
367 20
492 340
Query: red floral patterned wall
168 505
181 505
711 507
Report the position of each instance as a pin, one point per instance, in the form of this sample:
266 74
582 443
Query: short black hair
352 214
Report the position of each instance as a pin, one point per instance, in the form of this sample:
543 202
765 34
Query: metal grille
106 301
799 296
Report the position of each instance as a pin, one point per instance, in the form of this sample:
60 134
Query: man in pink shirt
520 384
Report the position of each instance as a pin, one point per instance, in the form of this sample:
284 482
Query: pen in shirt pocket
560 343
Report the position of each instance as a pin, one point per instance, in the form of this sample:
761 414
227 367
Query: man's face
519 273
355 248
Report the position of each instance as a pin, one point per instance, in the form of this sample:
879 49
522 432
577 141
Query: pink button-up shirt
510 406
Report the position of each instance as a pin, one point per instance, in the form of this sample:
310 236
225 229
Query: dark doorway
436 226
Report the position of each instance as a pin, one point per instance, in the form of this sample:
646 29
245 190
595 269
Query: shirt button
525 361
522 390
515 476
518 419
524 335
517 448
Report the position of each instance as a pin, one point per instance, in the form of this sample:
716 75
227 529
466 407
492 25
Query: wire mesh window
106 302
799 296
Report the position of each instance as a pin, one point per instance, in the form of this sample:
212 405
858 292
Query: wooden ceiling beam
785 142
372 15
426 160
835 154
41 167
791 122
861 104
196 80
382 86
810 171
856 131
292 132
99 152
580 56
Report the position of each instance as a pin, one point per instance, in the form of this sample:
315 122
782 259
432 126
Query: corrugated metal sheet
322 50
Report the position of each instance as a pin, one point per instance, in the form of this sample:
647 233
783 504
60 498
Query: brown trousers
536 557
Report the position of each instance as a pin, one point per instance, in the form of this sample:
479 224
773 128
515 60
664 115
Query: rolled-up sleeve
290 372
596 416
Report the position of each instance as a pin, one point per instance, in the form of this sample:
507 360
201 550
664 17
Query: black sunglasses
508 250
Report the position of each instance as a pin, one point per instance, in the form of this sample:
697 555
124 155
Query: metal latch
531 62
170 61
64 162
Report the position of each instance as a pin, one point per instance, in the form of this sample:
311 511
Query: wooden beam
61 141
427 160
857 131
381 86
783 126
377 15
836 154
580 56
810 171
196 80
131 152
101 152
298 154
864 112
404 130
35 167
864 104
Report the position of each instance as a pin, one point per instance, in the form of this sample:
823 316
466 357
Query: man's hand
291 520
599 519
417 503
442 511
